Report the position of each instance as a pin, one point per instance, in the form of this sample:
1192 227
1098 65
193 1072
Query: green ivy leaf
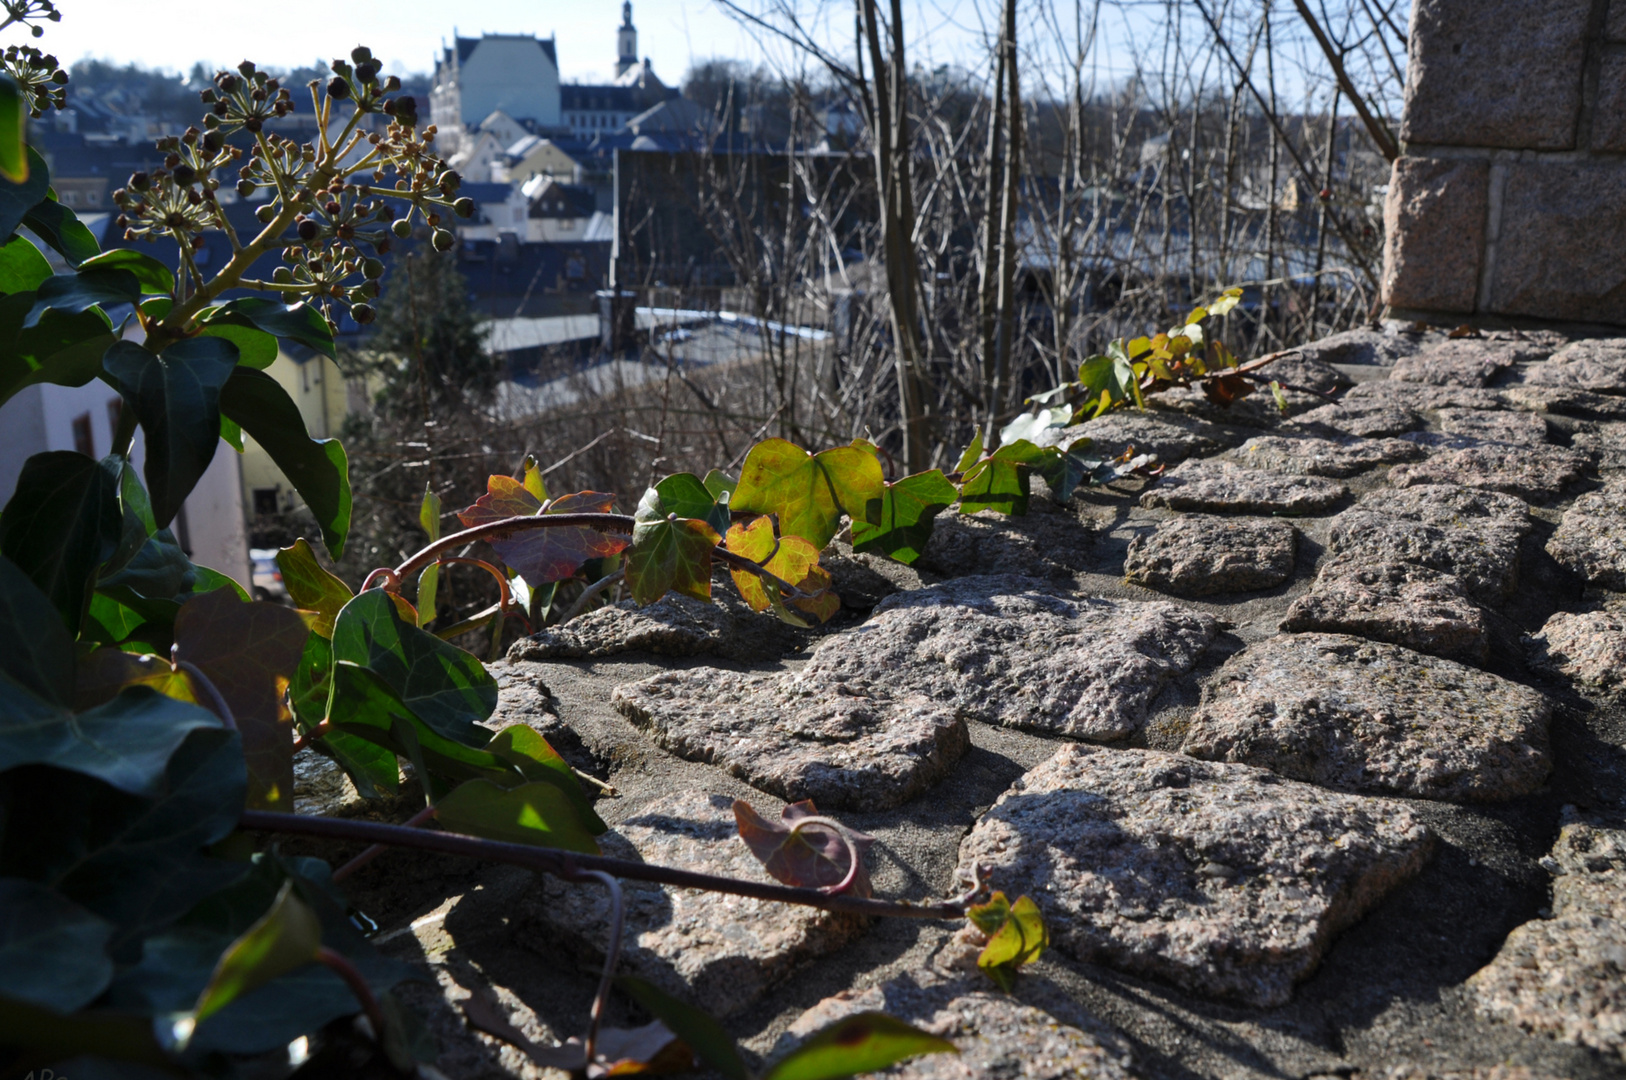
22 267
372 768
152 275
54 952
1000 481
155 581
64 348
808 492
176 396
429 519
76 292
285 938
861 1043
535 760
137 862
317 468
686 496
19 195
61 524
533 813
698 1030
907 510
449 689
13 131
719 483
1016 936
255 348
668 555
311 587
301 322
36 650
62 231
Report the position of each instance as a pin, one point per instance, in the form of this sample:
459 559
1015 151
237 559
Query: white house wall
513 75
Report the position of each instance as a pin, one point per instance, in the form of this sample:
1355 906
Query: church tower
626 41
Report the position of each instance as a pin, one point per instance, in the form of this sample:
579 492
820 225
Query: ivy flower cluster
38 76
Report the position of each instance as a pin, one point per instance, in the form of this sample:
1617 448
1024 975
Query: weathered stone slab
1561 232
1591 537
1565 401
1535 473
1306 372
1595 365
723 950
1169 436
1609 111
1258 410
1470 362
1383 344
1470 533
672 626
1223 879
1366 419
1456 89
1308 456
1198 555
1220 485
1434 233
1565 977
802 736
1356 715
321 786
1603 442
996 1035
1588 648
1422 396
863 580
1012 651
1524 428
1399 602
1047 541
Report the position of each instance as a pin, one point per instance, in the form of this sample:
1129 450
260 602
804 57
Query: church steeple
626 41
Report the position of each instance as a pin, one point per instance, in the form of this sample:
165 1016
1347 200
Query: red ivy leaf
541 556
813 857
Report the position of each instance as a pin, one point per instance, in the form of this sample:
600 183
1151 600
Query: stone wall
1509 201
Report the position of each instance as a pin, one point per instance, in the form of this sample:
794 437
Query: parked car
265 576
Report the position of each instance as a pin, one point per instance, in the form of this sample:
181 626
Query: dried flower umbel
332 206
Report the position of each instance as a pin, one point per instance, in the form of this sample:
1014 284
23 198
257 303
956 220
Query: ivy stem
376 850
564 864
341 966
612 956
853 858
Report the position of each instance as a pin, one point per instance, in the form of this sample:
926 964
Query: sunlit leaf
533 759
1032 426
104 672
301 322
703 1035
1016 936
788 558
311 587
13 132
1228 300
22 267
249 652
972 455
668 555
543 556
152 275
861 1043
1000 481
907 510
372 768
255 348
684 495
812 856
284 939
429 518
532 813
808 492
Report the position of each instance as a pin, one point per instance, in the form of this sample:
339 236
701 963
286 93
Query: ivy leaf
13 132
531 479
62 231
301 322
532 813
668 554
176 396
65 349
1031 426
449 689
137 862
543 556
535 760
1108 379
154 583
808 492
703 1035
22 267
104 672
1000 481
249 651
317 468
429 518
1016 936
255 348
54 952
72 293
788 558
311 587
61 524
812 857
152 275
20 193
686 496
1227 300
861 1043
972 455
36 650
719 483
907 510
285 938
372 768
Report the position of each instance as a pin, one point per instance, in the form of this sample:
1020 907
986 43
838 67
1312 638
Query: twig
376 850
612 954
567 864
587 594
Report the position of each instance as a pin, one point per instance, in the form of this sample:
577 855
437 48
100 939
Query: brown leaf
1226 389
813 857
1465 331
249 651
487 1016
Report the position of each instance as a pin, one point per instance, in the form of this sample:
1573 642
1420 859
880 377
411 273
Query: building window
71 198
265 500
83 439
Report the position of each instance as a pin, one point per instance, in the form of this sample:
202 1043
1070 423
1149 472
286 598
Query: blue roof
485 193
